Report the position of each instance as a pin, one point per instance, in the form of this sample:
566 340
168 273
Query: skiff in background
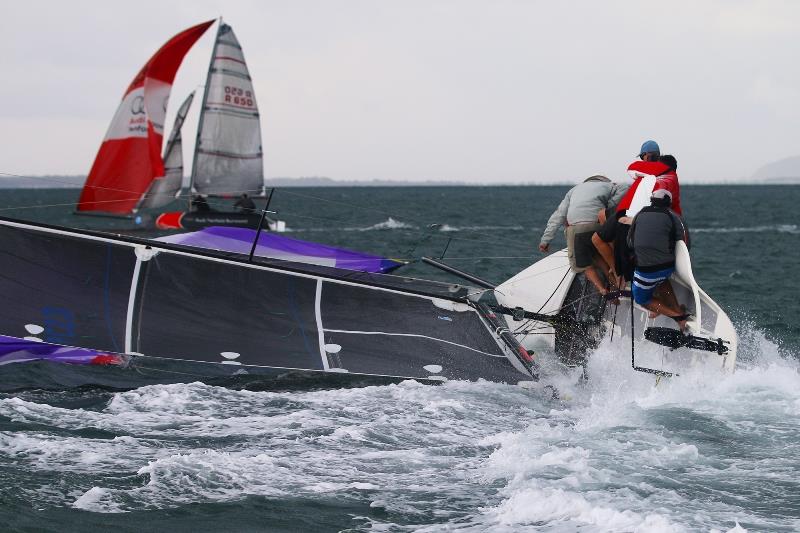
129 173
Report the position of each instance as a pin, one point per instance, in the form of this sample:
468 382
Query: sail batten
228 155
129 158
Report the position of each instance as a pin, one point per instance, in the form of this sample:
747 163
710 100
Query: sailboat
84 297
129 175
129 160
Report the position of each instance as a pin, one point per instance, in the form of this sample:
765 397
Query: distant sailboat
129 159
228 156
129 174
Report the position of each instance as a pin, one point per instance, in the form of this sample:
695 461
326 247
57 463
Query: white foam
535 506
99 500
772 228
388 224
475 456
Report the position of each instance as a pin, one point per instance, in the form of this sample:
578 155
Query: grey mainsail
228 158
165 189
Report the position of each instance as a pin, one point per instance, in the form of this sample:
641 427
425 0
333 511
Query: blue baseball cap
650 146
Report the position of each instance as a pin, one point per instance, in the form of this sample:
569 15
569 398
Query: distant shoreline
76 182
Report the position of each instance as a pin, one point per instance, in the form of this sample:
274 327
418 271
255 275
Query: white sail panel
165 189
228 155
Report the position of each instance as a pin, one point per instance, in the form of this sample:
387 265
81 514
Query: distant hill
782 171
321 181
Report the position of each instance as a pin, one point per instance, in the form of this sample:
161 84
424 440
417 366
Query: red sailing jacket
665 178
669 181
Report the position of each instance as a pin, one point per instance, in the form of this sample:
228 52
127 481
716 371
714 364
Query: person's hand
544 247
615 279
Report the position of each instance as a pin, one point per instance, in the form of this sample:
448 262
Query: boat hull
195 220
550 287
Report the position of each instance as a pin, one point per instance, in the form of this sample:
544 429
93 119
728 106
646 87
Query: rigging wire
426 235
216 203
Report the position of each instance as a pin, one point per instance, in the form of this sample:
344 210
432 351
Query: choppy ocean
621 453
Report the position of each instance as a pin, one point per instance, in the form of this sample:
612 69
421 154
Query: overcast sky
479 91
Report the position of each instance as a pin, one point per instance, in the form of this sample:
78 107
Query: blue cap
650 146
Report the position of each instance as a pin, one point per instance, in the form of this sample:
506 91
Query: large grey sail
228 155
165 189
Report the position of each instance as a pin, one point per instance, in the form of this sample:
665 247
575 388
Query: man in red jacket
669 180
611 240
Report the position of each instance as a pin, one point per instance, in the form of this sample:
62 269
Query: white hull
548 286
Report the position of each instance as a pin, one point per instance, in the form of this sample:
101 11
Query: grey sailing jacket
582 203
652 237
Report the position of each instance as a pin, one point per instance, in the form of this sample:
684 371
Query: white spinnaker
165 189
228 157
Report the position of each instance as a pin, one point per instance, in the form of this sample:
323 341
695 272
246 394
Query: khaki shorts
580 249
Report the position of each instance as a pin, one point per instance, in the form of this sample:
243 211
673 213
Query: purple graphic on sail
15 350
271 245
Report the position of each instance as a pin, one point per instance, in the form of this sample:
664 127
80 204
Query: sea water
622 452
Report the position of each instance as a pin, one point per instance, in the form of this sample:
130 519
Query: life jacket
644 175
669 181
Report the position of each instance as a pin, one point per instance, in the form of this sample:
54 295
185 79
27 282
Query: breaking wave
449 228
791 229
388 224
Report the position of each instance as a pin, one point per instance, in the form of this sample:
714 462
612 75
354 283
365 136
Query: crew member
578 213
652 236
200 204
611 240
668 180
245 204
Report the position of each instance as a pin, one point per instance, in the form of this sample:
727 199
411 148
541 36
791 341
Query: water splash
618 454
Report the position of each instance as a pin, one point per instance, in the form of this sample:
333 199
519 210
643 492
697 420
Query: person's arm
557 219
617 192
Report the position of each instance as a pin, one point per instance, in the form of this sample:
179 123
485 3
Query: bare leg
667 294
600 264
664 293
607 254
659 307
592 275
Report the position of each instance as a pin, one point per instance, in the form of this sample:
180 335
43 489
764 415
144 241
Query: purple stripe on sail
16 350
240 240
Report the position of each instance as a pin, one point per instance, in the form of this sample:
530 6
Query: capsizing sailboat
84 297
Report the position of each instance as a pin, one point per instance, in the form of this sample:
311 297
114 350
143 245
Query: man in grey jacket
578 214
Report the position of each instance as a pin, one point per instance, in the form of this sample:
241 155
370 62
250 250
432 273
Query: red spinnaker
130 156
